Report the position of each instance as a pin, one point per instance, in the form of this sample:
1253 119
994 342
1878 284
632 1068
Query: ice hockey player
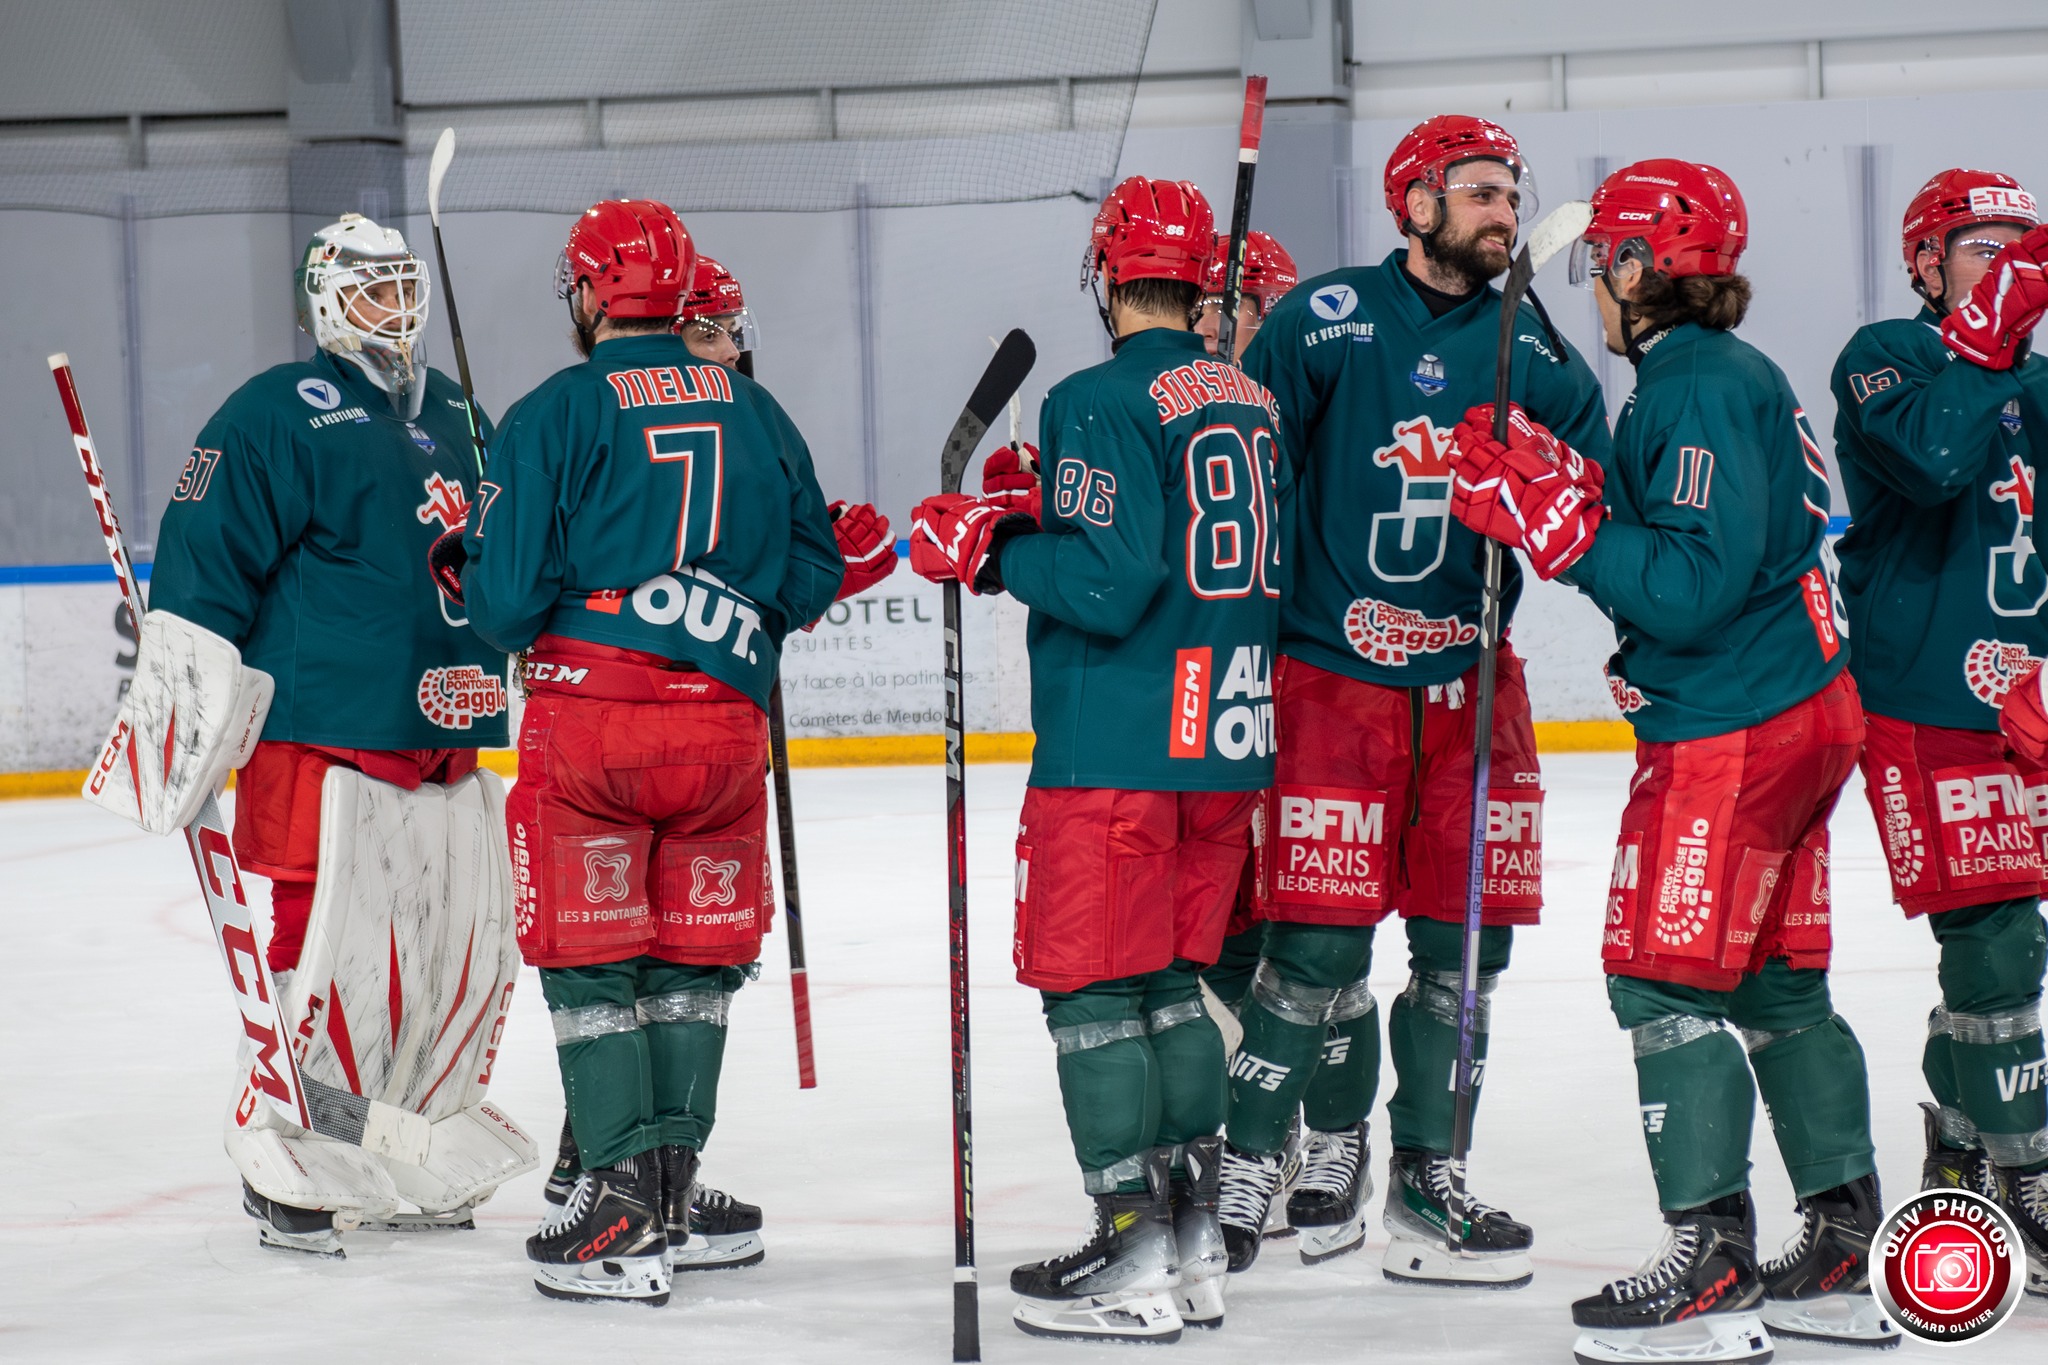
1269 272
1936 430
1379 634
1152 580
650 532
724 1232
1708 553
291 549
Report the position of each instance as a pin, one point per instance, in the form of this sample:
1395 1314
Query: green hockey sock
603 1055
1347 1075
1286 1014
1422 1030
1109 1079
683 1012
1693 1090
1938 1065
1817 1093
1992 960
1188 1048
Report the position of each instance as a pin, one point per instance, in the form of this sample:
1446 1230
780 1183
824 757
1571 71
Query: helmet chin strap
1632 341
1102 308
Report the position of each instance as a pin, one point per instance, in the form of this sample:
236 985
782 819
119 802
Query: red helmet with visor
1151 229
1431 148
1673 217
636 254
1269 271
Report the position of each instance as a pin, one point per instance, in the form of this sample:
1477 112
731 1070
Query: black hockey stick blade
1004 376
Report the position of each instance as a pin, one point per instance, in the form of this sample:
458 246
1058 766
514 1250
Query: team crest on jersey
2017 585
445 503
420 437
1428 375
1408 543
1333 303
454 697
2009 417
1391 635
321 394
1990 667
1627 697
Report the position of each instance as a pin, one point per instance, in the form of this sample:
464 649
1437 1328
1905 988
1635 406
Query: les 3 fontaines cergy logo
1948 1267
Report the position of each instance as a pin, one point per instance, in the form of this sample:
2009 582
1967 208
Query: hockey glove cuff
446 558
865 545
2024 718
1991 325
1538 496
1010 477
953 536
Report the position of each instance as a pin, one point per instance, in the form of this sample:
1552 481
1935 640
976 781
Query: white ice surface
121 1237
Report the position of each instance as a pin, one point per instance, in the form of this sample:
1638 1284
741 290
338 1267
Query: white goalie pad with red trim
401 995
192 715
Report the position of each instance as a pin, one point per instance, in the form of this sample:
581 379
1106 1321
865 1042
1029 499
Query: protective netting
777 105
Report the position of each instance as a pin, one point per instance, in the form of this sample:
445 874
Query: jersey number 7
700 448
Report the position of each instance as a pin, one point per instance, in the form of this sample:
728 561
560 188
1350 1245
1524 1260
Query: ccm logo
557 673
1190 703
1975 798
1303 817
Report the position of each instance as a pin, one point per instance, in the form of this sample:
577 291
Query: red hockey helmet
1151 229
1435 145
1674 217
1959 198
636 254
714 298
1269 271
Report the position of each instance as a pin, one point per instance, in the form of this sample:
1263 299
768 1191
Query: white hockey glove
191 716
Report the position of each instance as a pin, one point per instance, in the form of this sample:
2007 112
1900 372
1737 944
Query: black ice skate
1327 1206
1119 1284
1495 1250
2025 1197
1250 1181
1203 1259
608 1242
1694 1300
568 1165
725 1232
1950 1164
285 1228
1819 1286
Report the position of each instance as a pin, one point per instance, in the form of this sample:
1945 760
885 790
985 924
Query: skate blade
326 1245
1716 1338
1200 1302
1409 1261
1102 1317
1837 1319
727 1251
453 1220
619 1279
1319 1244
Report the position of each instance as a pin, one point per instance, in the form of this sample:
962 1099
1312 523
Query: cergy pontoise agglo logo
1948 1266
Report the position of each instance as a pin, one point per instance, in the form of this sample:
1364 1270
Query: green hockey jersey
1713 563
1154 586
652 501
1383 585
1939 572
299 530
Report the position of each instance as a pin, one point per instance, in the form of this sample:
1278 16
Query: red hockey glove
1010 477
1995 319
446 558
951 537
1538 495
2024 718
865 545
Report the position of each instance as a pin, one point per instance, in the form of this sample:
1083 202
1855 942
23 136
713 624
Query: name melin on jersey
1200 383
654 385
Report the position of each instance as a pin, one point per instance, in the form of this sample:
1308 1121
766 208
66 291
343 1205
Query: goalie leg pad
191 715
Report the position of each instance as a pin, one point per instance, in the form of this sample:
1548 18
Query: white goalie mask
362 297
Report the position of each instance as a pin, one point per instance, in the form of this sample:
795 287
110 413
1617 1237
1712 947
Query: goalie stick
1248 133
999 382
323 1109
437 171
1558 230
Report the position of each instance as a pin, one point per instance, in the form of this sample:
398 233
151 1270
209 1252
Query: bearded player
1151 572
1709 554
290 549
1371 813
651 532
1936 430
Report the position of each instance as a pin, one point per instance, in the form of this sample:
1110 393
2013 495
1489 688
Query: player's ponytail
1716 302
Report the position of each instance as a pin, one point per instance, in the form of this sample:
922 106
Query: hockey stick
1558 230
332 1113
437 171
785 830
1003 377
1248 132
